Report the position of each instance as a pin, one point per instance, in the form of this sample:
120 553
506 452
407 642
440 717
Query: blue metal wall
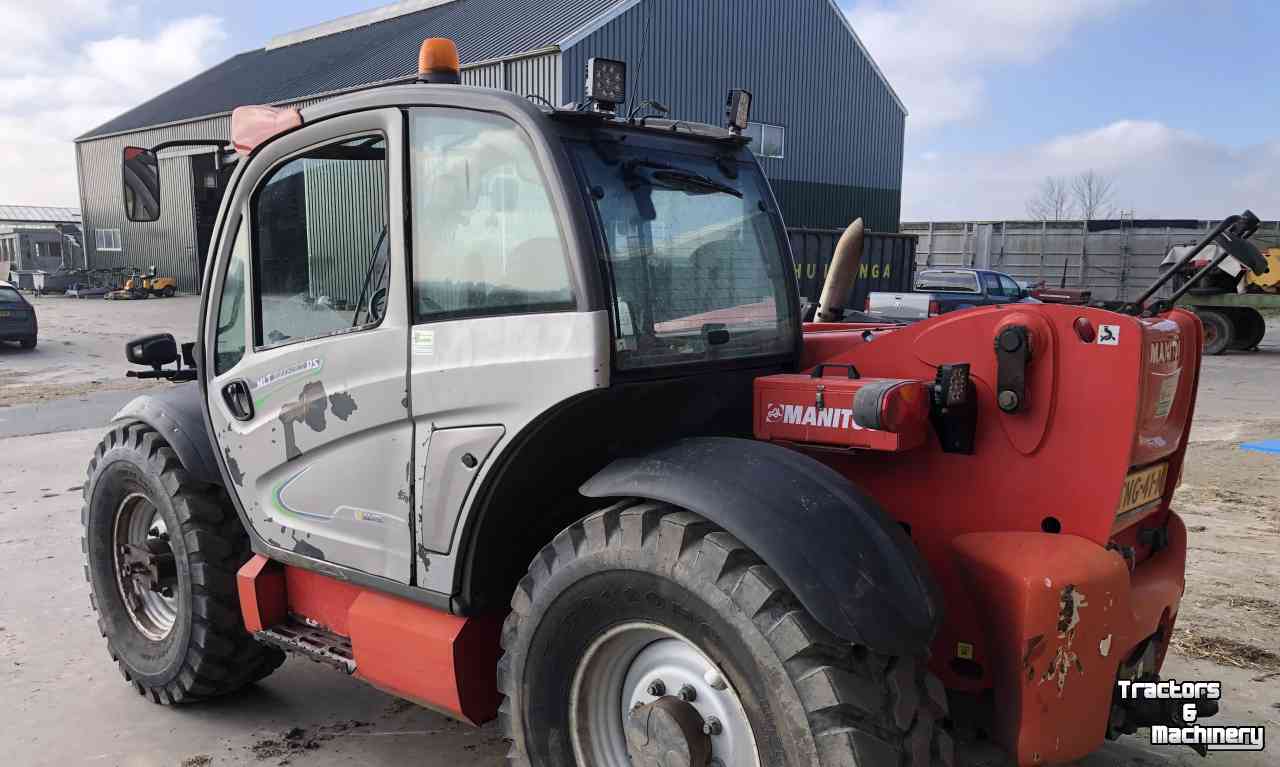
844 128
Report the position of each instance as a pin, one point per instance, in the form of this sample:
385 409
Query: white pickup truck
938 291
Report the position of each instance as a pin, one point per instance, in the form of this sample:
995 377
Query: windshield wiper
671 177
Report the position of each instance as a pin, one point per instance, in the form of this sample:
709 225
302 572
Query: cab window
485 235
229 341
321 255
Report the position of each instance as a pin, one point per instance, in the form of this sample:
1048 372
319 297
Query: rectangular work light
606 83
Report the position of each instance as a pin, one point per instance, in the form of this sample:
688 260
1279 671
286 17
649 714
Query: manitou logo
1166 351
799 415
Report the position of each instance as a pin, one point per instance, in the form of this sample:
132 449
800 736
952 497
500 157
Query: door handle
239 400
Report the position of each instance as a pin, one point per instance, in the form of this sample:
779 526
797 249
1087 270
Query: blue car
17 317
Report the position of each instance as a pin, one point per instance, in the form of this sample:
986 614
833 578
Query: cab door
307 345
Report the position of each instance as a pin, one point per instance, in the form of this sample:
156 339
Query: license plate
1142 487
7 314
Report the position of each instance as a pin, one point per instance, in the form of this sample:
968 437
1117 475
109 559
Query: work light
738 110
606 83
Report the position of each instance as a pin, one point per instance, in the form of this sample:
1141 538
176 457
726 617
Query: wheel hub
644 695
667 733
146 569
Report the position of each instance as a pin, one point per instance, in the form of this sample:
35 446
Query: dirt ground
62 702
81 345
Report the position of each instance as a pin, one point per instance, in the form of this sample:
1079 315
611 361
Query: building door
208 185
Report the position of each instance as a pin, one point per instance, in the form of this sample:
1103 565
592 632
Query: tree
1094 195
1052 201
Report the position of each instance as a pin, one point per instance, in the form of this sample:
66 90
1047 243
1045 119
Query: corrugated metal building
38 238
829 127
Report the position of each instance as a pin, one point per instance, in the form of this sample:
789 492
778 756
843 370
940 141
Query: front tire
162 553
28 343
655 590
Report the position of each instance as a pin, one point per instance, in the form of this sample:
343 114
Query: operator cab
426 285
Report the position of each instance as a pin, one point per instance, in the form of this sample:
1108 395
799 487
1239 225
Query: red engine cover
819 411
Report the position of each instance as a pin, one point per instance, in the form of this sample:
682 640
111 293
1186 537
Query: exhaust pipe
841 274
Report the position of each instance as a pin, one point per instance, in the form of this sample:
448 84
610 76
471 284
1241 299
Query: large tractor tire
1249 328
1219 333
644 635
162 553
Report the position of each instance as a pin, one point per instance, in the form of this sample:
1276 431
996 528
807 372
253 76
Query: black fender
177 413
851 566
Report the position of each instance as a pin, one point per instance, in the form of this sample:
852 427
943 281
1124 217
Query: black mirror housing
153 351
140 174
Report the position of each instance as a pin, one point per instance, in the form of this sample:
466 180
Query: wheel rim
617 674
149 597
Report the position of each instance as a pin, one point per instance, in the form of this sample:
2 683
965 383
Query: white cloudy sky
1002 92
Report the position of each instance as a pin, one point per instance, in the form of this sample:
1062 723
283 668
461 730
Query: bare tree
1094 195
1052 201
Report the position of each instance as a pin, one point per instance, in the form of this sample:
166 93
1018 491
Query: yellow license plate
1142 487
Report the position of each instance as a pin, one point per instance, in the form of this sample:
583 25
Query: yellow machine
143 285
1269 282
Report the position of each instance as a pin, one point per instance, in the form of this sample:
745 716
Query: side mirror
140 170
154 351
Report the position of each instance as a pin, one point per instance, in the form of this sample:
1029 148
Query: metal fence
1114 259
888 262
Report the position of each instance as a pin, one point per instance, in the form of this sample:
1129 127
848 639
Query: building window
107 239
767 140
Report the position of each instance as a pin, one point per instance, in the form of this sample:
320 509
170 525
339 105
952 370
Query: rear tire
808 697
1218 332
168 291
191 644
1249 328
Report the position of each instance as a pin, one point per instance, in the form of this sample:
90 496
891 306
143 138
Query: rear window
10 297
696 260
955 282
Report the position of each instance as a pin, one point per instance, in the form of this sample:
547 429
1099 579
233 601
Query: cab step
318 644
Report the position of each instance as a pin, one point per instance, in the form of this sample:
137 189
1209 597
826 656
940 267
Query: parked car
938 291
17 317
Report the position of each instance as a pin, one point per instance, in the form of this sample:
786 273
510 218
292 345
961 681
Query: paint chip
1104 647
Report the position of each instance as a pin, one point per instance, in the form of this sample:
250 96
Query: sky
1177 102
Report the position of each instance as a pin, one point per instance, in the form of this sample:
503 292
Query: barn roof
372 47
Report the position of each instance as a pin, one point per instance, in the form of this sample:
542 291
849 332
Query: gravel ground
63 703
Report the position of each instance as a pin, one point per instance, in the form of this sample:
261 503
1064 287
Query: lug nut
657 689
712 726
688 694
714 679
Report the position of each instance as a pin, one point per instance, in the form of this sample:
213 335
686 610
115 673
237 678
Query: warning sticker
1109 335
1168 392
424 343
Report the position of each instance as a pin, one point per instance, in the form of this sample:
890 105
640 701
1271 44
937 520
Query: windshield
10 297
695 258
958 282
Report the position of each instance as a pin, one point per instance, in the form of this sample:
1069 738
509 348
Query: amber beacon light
438 62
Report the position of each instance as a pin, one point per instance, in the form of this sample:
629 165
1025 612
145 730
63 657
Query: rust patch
1070 603
342 405
309 409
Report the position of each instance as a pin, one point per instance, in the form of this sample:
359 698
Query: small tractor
144 285
572 460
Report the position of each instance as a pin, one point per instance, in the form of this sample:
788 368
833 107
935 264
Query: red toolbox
842 410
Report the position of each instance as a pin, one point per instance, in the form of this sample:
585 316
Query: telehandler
564 454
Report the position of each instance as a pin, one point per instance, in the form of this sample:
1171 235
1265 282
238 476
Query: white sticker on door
424 343
1109 335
